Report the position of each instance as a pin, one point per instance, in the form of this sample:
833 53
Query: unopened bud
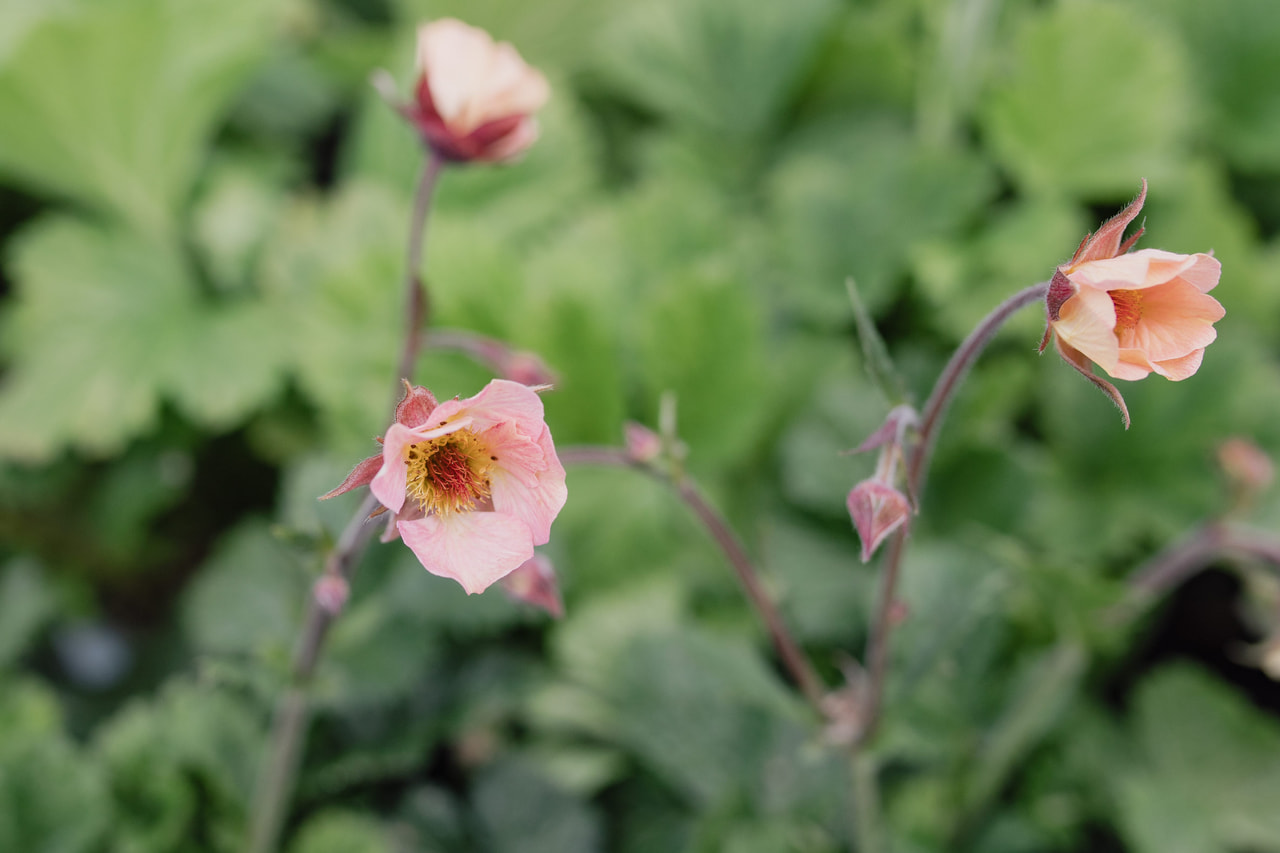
534 582
331 592
643 444
877 509
526 368
1249 471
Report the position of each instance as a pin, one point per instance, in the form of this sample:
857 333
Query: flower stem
935 408
417 309
793 657
276 784
1206 543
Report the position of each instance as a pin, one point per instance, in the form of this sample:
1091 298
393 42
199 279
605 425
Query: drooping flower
474 98
473 485
1132 313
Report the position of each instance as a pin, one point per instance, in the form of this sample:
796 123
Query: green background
203 208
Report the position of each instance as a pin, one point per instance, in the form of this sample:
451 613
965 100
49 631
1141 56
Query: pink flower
473 484
1132 313
474 99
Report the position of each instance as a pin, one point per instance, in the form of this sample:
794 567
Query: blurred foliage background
202 215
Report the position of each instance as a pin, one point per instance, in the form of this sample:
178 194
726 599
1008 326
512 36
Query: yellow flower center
449 473
1128 305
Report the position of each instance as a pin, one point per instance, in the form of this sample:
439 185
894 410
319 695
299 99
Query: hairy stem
792 656
935 409
289 725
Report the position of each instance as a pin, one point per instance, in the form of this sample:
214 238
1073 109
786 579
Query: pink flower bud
1248 470
331 592
877 509
534 582
474 98
643 444
526 368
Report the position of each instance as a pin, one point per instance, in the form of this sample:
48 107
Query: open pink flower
1132 313
473 484
474 99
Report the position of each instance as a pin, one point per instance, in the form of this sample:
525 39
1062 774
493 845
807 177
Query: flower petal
1178 369
474 548
1177 318
1087 322
389 484
535 503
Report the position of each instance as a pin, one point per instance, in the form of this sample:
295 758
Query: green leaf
1206 779
725 67
335 831
26 604
521 811
112 101
181 767
1230 49
248 598
858 199
1095 98
697 710
107 325
52 796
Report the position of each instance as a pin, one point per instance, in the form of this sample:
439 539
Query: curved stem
275 786
793 657
931 416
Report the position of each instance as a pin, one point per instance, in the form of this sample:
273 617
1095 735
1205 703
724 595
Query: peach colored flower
474 99
473 484
1132 313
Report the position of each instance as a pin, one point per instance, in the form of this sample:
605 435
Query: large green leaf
1095 98
726 67
111 101
52 796
857 200
181 769
1231 48
108 325
1206 779
521 811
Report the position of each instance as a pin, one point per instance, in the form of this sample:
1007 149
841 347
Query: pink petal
1127 272
503 400
474 548
1086 322
535 503
1176 319
392 479
1178 369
